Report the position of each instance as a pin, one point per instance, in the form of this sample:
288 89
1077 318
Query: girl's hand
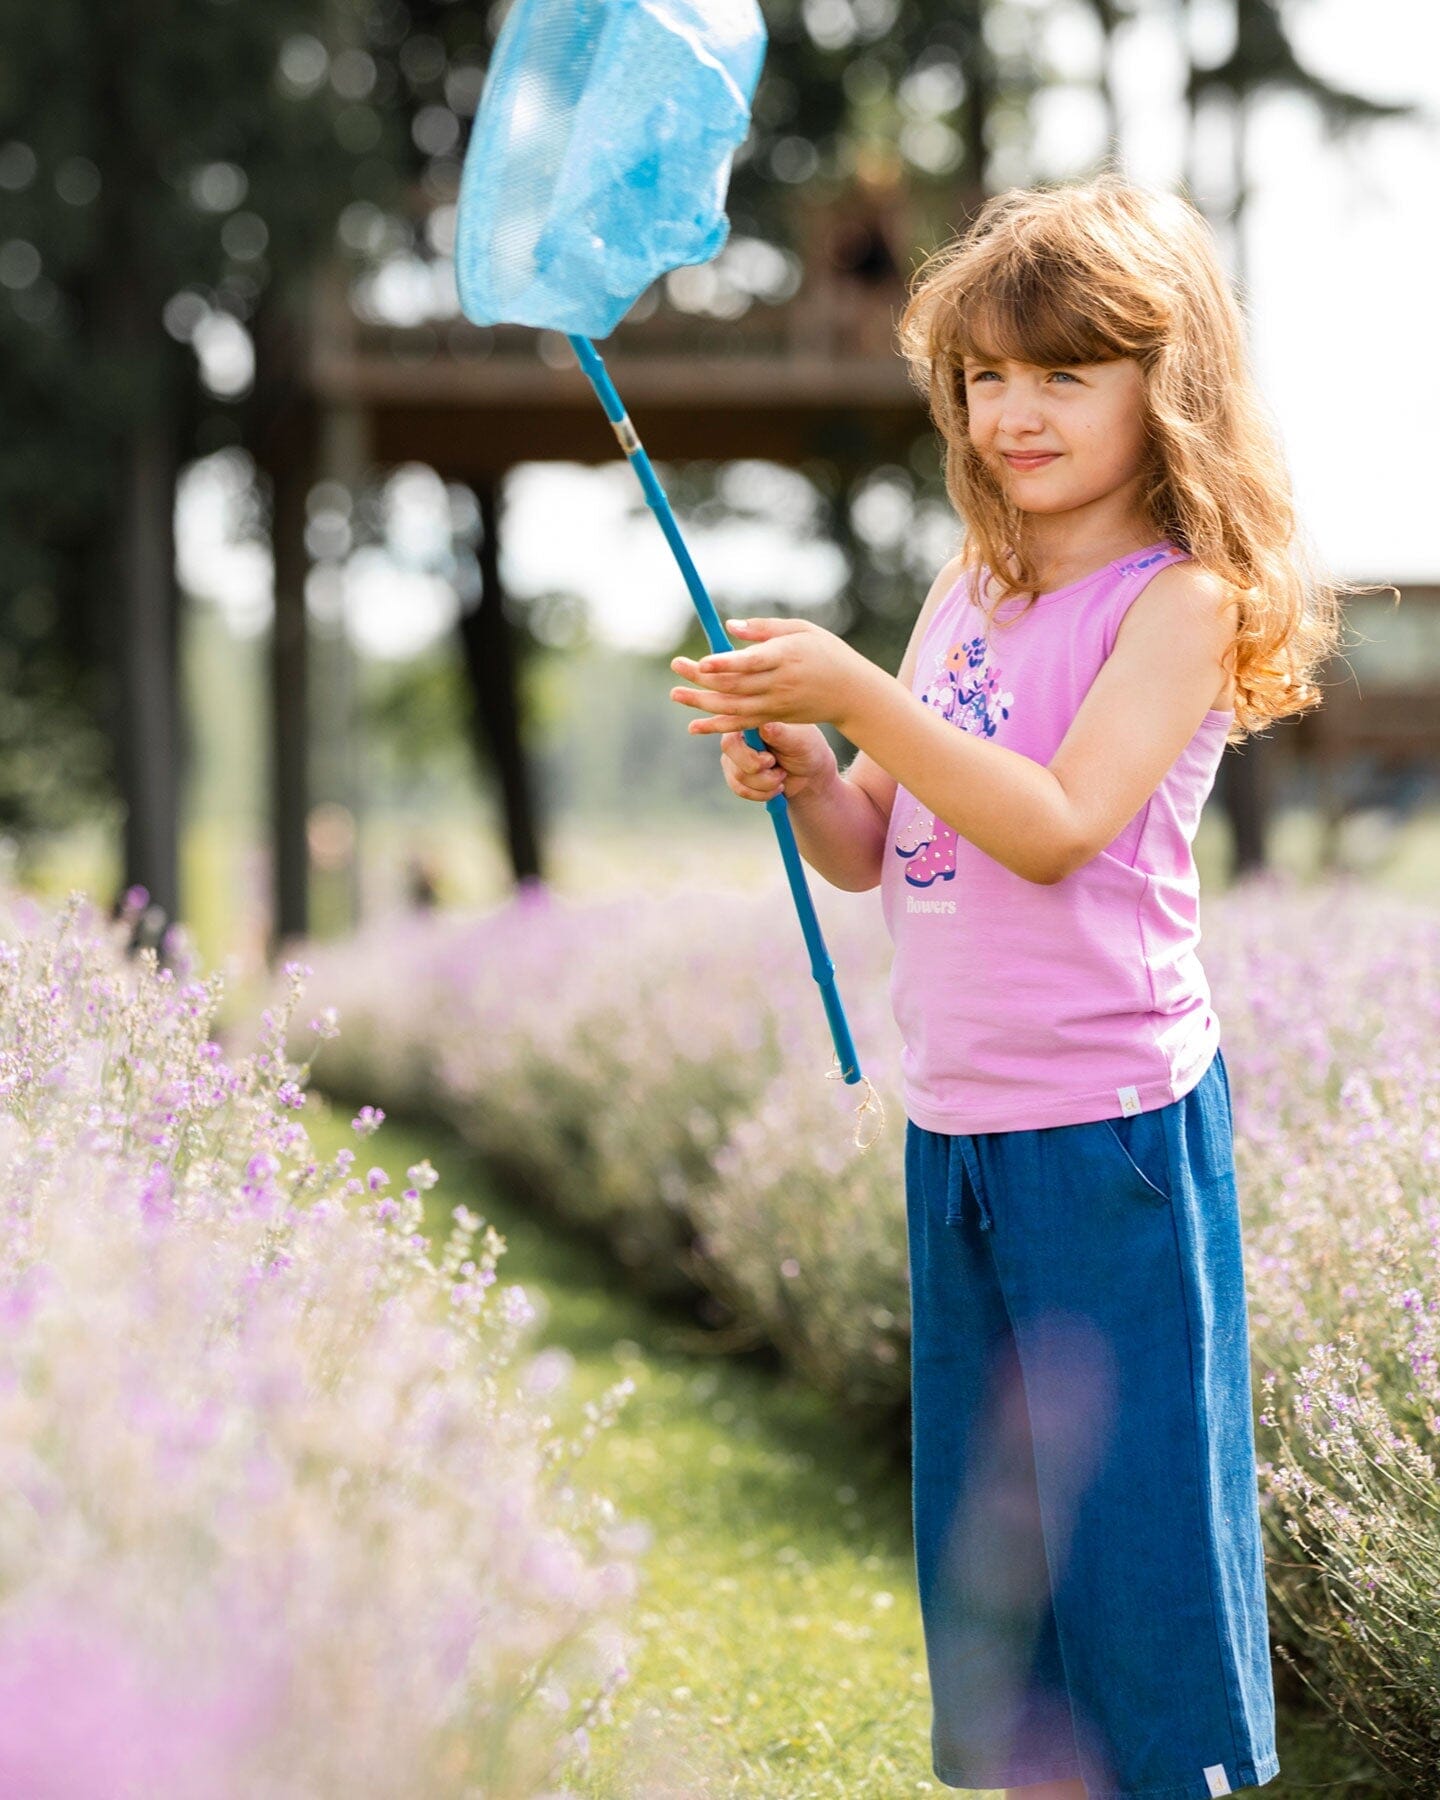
792 672
799 758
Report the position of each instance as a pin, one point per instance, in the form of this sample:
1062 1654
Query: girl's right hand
797 757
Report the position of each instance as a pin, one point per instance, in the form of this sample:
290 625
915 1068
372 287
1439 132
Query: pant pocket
1142 1151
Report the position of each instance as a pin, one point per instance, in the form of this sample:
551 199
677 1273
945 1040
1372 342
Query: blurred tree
488 644
168 173
170 177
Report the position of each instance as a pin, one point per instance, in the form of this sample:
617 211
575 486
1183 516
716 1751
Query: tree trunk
282 434
145 705
143 611
488 643
1244 777
980 80
290 474
1248 777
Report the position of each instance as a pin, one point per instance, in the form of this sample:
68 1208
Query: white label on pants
1215 1780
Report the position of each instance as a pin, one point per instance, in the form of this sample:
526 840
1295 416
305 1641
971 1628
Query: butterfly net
601 155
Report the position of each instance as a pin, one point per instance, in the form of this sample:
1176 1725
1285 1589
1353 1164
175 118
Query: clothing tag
1130 1103
1215 1779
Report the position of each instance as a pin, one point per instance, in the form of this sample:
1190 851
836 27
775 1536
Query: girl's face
1057 438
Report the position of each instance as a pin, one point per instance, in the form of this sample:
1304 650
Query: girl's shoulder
1181 574
1191 588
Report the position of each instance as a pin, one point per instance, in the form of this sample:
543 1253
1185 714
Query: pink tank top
1021 1005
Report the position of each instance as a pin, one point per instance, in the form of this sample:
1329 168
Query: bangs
1029 315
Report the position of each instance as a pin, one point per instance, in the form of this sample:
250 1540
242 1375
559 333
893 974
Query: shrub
283 1515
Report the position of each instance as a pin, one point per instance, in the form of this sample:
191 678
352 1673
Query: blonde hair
1096 270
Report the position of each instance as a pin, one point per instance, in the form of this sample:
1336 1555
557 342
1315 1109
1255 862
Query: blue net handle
821 965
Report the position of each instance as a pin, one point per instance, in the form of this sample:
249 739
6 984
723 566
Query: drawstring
972 1169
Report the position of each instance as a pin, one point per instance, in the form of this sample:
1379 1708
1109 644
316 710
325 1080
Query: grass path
780 1653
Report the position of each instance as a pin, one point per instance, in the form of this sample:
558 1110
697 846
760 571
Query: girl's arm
995 798
839 834
1045 821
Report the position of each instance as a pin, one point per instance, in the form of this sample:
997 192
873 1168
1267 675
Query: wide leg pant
1087 1531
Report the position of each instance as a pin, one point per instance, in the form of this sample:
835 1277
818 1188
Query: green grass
781 1655
780 1638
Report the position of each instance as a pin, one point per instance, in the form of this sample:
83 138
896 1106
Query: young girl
1128 599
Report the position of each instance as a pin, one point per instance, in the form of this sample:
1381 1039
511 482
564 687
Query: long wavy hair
1094 270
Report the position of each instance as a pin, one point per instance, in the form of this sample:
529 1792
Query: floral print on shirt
965 689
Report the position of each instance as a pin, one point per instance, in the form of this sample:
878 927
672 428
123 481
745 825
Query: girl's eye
980 375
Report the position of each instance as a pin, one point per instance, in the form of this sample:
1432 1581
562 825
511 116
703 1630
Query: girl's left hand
793 672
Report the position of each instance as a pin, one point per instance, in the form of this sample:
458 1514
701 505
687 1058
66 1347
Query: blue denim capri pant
1087 1529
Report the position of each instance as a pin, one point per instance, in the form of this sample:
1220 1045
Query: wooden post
487 638
1249 774
338 776
1245 793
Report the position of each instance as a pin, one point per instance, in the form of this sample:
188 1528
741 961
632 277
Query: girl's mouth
1031 462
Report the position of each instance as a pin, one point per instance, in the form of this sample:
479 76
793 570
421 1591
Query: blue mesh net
601 154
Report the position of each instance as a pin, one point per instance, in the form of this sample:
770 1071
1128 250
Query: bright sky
1343 259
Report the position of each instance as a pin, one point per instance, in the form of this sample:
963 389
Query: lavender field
656 1067
284 1515
277 1459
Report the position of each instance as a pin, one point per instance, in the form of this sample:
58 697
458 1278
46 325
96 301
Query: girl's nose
1020 413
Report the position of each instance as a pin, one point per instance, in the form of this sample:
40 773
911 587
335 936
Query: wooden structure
812 375
1381 717
816 375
